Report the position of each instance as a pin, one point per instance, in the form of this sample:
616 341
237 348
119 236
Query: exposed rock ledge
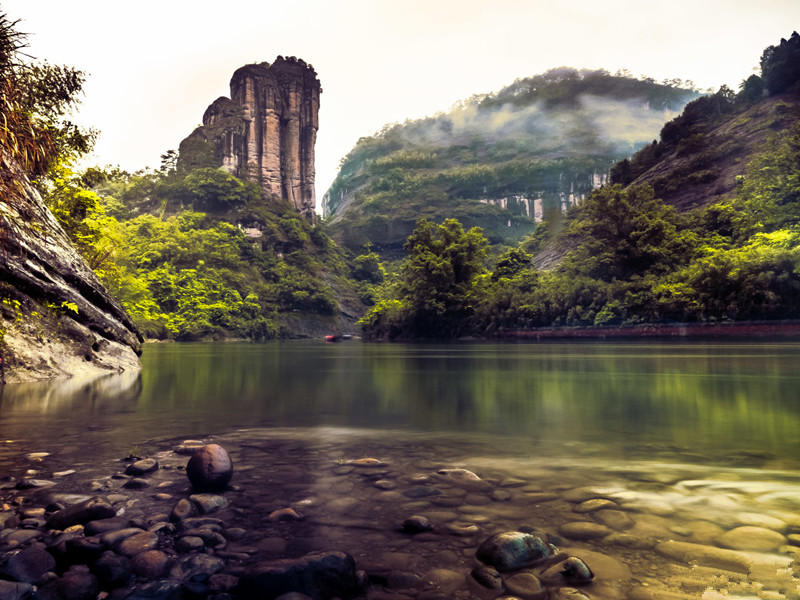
56 319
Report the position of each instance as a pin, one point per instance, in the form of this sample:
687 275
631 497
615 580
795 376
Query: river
677 434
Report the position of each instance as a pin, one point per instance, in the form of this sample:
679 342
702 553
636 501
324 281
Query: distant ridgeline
500 161
264 133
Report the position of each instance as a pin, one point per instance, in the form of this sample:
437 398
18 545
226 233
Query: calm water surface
693 441
723 402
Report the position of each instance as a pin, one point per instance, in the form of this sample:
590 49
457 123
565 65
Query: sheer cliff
56 318
265 132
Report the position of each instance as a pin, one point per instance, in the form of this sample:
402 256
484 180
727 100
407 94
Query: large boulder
210 469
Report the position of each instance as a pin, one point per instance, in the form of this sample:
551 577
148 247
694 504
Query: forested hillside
199 255
501 161
624 255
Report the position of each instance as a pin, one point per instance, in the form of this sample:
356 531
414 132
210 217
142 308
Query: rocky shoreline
322 520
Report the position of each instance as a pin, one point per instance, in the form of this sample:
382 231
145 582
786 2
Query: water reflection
728 402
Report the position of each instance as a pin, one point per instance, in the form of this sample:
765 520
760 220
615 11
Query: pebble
151 564
182 510
208 503
189 543
142 467
285 514
513 550
594 504
583 530
137 483
138 543
751 538
615 519
526 586
488 577
416 524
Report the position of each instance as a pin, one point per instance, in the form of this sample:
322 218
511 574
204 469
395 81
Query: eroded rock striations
56 317
265 132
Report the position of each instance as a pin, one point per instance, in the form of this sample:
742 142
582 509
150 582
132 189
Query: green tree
621 232
436 284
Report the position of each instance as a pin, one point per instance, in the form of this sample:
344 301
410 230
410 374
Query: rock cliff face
56 318
265 132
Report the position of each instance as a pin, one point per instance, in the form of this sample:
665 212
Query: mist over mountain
499 160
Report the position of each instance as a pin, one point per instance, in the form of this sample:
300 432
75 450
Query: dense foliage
630 259
692 138
213 261
486 160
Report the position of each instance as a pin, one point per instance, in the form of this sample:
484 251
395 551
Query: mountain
501 161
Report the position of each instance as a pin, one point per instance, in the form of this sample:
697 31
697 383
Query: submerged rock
210 469
319 575
513 550
79 514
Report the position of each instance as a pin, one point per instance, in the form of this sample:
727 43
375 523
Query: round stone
582 530
527 586
210 469
489 578
748 537
417 524
150 564
141 467
512 550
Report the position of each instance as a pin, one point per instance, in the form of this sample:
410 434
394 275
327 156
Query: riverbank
412 513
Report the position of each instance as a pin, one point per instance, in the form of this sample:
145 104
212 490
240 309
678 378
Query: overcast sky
154 66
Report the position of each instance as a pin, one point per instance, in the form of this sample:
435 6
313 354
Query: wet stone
112 538
285 514
422 491
462 529
81 513
77 584
235 533
222 582
112 569
12 590
105 525
151 564
399 580
142 467
615 519
14 538
385 484
501 495
28 565
512 550
594 505
196 566
189 447
182 510
137 483
189 543
583 530
752 538
318 575
527 586
136 544
210 469
488 577
416 524
208 503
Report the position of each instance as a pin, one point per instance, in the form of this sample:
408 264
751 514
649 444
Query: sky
154 66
